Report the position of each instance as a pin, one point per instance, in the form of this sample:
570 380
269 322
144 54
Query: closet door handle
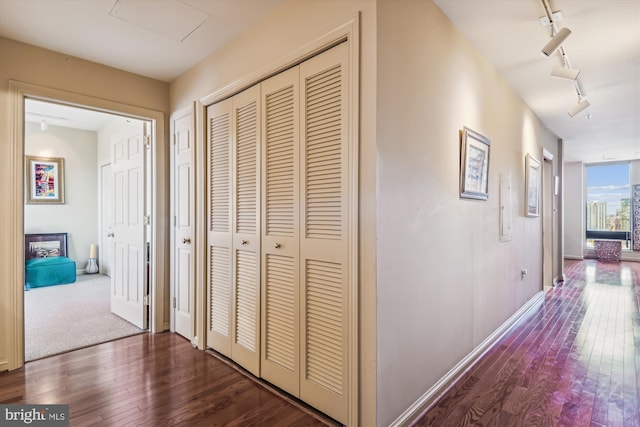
244 242
186 240
277 245
110 234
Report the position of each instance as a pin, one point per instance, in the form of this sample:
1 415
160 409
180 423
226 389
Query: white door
106 200
129 269
183 291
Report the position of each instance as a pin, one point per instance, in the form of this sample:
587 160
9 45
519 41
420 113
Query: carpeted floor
67 317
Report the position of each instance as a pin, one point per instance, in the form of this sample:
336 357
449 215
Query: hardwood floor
574 362
152 380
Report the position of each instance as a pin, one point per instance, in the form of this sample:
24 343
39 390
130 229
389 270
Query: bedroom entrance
89 179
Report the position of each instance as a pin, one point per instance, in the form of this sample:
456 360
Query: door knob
110 234
186 240
277 245
244 242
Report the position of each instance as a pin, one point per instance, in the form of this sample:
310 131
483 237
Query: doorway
158 301
548 223
77 309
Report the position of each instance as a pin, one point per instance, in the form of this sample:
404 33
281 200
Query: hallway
575 360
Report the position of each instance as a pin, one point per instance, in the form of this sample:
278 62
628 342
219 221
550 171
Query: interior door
183 290
106 199
129 269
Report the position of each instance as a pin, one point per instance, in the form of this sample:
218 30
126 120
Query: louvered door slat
280 315
246 168
245 347
323 244
246 300
219 261
219 172
280 239
219 183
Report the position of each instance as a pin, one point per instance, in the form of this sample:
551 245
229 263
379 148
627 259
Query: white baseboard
446 382
578 257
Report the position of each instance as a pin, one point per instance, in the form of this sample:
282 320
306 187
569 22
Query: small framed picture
45 180
532 184
474 165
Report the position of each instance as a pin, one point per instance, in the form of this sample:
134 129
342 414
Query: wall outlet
523 273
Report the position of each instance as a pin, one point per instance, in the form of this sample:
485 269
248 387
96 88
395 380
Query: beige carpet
67 317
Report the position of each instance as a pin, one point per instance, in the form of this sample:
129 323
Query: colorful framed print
45 180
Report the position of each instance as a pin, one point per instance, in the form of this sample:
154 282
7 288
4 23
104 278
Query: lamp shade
565 73
580 106
555 42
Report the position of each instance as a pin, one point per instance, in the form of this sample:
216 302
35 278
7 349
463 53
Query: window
608 208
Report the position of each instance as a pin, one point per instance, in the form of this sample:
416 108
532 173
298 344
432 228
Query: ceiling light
43 126
555 42
580 106
565 73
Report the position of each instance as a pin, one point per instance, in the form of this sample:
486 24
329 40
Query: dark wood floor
574 362
151 380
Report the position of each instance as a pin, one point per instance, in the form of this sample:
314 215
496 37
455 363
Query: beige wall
78 216
36 66
574 213
445 281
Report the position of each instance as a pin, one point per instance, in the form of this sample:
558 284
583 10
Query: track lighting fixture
580 106
565 73
555 42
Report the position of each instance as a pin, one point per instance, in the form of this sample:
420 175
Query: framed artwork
45 180
45 245
474 165
532 184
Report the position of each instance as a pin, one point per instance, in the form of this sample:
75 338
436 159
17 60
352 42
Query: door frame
19 91
549 215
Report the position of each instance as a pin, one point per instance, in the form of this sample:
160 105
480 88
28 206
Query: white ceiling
65 116
605 46
141 36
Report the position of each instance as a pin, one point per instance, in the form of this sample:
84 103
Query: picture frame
43 245
44 180
532 186
474 165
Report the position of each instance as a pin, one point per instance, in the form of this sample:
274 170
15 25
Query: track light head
555 42
580 106
565 73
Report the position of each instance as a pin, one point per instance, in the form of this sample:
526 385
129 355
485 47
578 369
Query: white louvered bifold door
323 240
280 232
245 346
220 248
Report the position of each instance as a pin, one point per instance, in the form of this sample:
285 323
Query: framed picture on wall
474 165
45 180
532 184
